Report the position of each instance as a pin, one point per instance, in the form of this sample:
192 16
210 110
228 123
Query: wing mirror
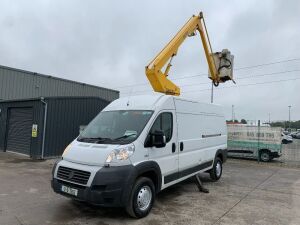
158 139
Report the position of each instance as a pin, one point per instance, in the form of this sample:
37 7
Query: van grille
77 176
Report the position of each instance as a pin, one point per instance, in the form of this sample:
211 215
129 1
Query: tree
285 124
243 121
230 121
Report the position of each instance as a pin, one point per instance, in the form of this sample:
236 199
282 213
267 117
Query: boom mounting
219 64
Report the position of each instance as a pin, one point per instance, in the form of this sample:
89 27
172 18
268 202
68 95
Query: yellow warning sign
34 130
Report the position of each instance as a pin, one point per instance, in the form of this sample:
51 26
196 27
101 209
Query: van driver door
166 157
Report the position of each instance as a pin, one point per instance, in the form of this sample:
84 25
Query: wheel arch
148 169
222 154
151 170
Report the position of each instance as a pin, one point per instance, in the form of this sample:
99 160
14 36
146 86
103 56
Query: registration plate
71 191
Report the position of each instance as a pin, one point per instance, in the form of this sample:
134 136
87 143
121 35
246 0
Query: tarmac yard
248 193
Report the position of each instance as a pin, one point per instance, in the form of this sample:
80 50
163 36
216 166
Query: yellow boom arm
158 79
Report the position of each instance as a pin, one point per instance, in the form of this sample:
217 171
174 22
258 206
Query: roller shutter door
19 130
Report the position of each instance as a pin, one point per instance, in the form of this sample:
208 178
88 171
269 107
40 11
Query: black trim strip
171 177
210 135
174 176
240 151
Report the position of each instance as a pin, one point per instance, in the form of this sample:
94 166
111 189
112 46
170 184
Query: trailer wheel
216 171
141 198
265 156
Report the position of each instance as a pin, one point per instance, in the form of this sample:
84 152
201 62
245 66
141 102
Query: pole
289 117
269 118
232 113
44 126
258 136
212 93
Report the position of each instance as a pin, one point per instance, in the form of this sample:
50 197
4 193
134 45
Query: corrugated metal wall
64 117
19 84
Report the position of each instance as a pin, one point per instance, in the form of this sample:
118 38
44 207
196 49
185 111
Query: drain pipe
44 128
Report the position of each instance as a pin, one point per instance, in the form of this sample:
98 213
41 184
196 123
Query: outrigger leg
200 185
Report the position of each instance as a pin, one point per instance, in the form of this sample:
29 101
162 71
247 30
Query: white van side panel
202 129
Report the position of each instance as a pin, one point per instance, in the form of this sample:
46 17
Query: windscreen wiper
124 136
94 139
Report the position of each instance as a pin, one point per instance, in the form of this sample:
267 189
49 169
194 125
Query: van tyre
216 171
141 198
265 156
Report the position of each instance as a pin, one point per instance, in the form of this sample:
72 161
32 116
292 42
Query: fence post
258 136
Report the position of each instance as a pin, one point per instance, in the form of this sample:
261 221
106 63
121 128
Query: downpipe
44 127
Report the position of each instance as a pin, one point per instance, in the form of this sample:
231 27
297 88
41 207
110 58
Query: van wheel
216 171
141 198
265 156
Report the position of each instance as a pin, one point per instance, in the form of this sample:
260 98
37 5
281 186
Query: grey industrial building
40 115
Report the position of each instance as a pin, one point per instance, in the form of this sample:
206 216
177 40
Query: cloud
109 43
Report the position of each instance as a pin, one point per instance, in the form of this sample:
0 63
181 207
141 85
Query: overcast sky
109 43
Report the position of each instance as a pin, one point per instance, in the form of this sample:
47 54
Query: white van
138 146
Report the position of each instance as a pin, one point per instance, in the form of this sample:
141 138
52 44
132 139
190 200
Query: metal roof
52 77
51 97
21 84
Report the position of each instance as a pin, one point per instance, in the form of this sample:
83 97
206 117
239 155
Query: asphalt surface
248 193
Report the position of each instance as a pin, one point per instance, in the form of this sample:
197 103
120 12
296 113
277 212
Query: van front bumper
275 154
110 187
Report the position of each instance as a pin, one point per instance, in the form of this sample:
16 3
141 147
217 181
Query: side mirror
158 139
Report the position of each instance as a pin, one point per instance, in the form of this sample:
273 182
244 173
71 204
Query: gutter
44 127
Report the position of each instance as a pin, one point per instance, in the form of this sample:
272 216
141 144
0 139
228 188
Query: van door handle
181 146
173 147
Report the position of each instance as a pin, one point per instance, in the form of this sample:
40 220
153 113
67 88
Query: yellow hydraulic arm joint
158 79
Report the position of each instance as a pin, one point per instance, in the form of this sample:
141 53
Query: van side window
164 122
167 125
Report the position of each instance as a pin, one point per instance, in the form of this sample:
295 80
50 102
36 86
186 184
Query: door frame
175 140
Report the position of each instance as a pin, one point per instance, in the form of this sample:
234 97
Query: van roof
143 102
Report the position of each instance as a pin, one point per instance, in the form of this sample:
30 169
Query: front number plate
71 191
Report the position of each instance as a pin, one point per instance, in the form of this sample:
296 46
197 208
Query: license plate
71 191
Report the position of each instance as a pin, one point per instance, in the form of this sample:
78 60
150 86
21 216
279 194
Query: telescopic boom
219 64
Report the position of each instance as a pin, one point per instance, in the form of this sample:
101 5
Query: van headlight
120 153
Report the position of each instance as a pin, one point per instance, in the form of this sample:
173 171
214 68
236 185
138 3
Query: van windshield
116 127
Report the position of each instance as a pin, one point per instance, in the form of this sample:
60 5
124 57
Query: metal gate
19 130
